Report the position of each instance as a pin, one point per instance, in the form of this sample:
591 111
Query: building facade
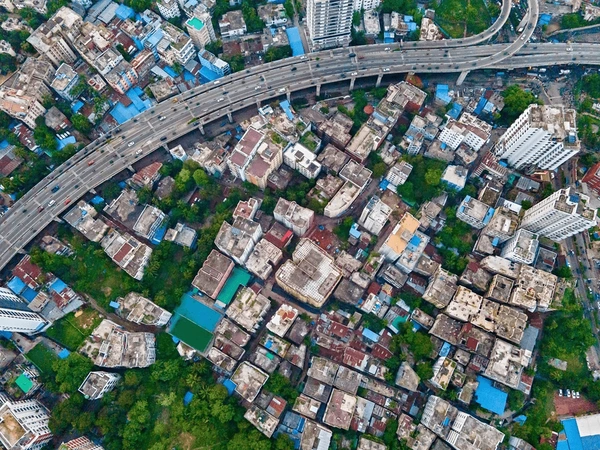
24 425
15 316
329 22
542 136
560 216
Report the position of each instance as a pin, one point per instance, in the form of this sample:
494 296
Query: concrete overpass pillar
23 252
462 77
130 167
318 89
93 191
288 95
258 103
201 128
352 80
56 219
230 117
379 78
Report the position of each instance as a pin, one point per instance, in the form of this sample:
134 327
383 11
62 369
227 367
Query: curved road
137 138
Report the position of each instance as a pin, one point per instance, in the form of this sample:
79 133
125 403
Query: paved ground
566 406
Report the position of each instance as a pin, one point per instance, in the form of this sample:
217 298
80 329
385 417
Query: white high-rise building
169 9
200 28
561 215
15 316
543 136
522 247
24 425
375 215
329 23
96 384
366 4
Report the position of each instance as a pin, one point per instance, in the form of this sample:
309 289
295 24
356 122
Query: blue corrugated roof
97 200
170 71
354 231
480 104
62 143
295 41
114 304
187 398
370 335
285 105
29 294
384 184
572 432
64 353
489 397
488 216
415 241
208 75
124 12
16 285
544 19
455 111
58 286
441 93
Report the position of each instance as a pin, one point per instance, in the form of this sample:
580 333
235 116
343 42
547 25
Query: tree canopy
516 100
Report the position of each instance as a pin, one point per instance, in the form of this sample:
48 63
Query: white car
576 394
257 87
303 57
560 393
568 394
220 99
386 69
131 144
138 152
51 203
282 90
217 82
354 74
387 49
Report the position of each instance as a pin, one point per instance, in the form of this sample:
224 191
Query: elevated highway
173 118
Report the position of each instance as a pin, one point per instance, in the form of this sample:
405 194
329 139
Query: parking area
567 406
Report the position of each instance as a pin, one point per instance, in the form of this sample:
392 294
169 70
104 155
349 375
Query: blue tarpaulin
480 104
370 335
441 93
114 304
97 200
544 19
64 353
6 334
229 385
62 143
77 106
295 41
455 111
489 397
187 398
445 349
285 105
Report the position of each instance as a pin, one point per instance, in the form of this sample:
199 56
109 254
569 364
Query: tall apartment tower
543 136
24 425
561 215
15 316
329 23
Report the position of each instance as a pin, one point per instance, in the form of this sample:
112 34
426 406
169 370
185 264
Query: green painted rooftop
195 23
24 383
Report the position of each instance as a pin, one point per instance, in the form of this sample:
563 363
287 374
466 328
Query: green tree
424 369
379 169
289 9
81 124
433 177
60 156
253 22
71 371
516 100
8 63
515 400
356 18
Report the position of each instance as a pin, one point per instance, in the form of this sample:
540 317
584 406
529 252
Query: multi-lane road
137 138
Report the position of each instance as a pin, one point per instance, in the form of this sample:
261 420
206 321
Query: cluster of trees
8 63
297 192
253 22
146 410
590 84
574 20
44 136
139 5
358 115
424 182
413 346
276 53
516 100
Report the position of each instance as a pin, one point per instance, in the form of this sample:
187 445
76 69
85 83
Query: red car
67 201
91 162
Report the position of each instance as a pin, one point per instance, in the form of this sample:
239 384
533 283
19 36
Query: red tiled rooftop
28 272
123 251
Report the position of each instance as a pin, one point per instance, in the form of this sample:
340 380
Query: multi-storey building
329 22
65 79
303 160
200 28
367 5
475 213
168 8
521 248
210 61
96 384
375 215
15 316
80 443
542 136
52 38
232 24
24 425
563 214
469 130
295 217
122 77
21 95
181 48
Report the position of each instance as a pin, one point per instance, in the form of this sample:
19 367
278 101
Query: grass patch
71 331
456 16
42 357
